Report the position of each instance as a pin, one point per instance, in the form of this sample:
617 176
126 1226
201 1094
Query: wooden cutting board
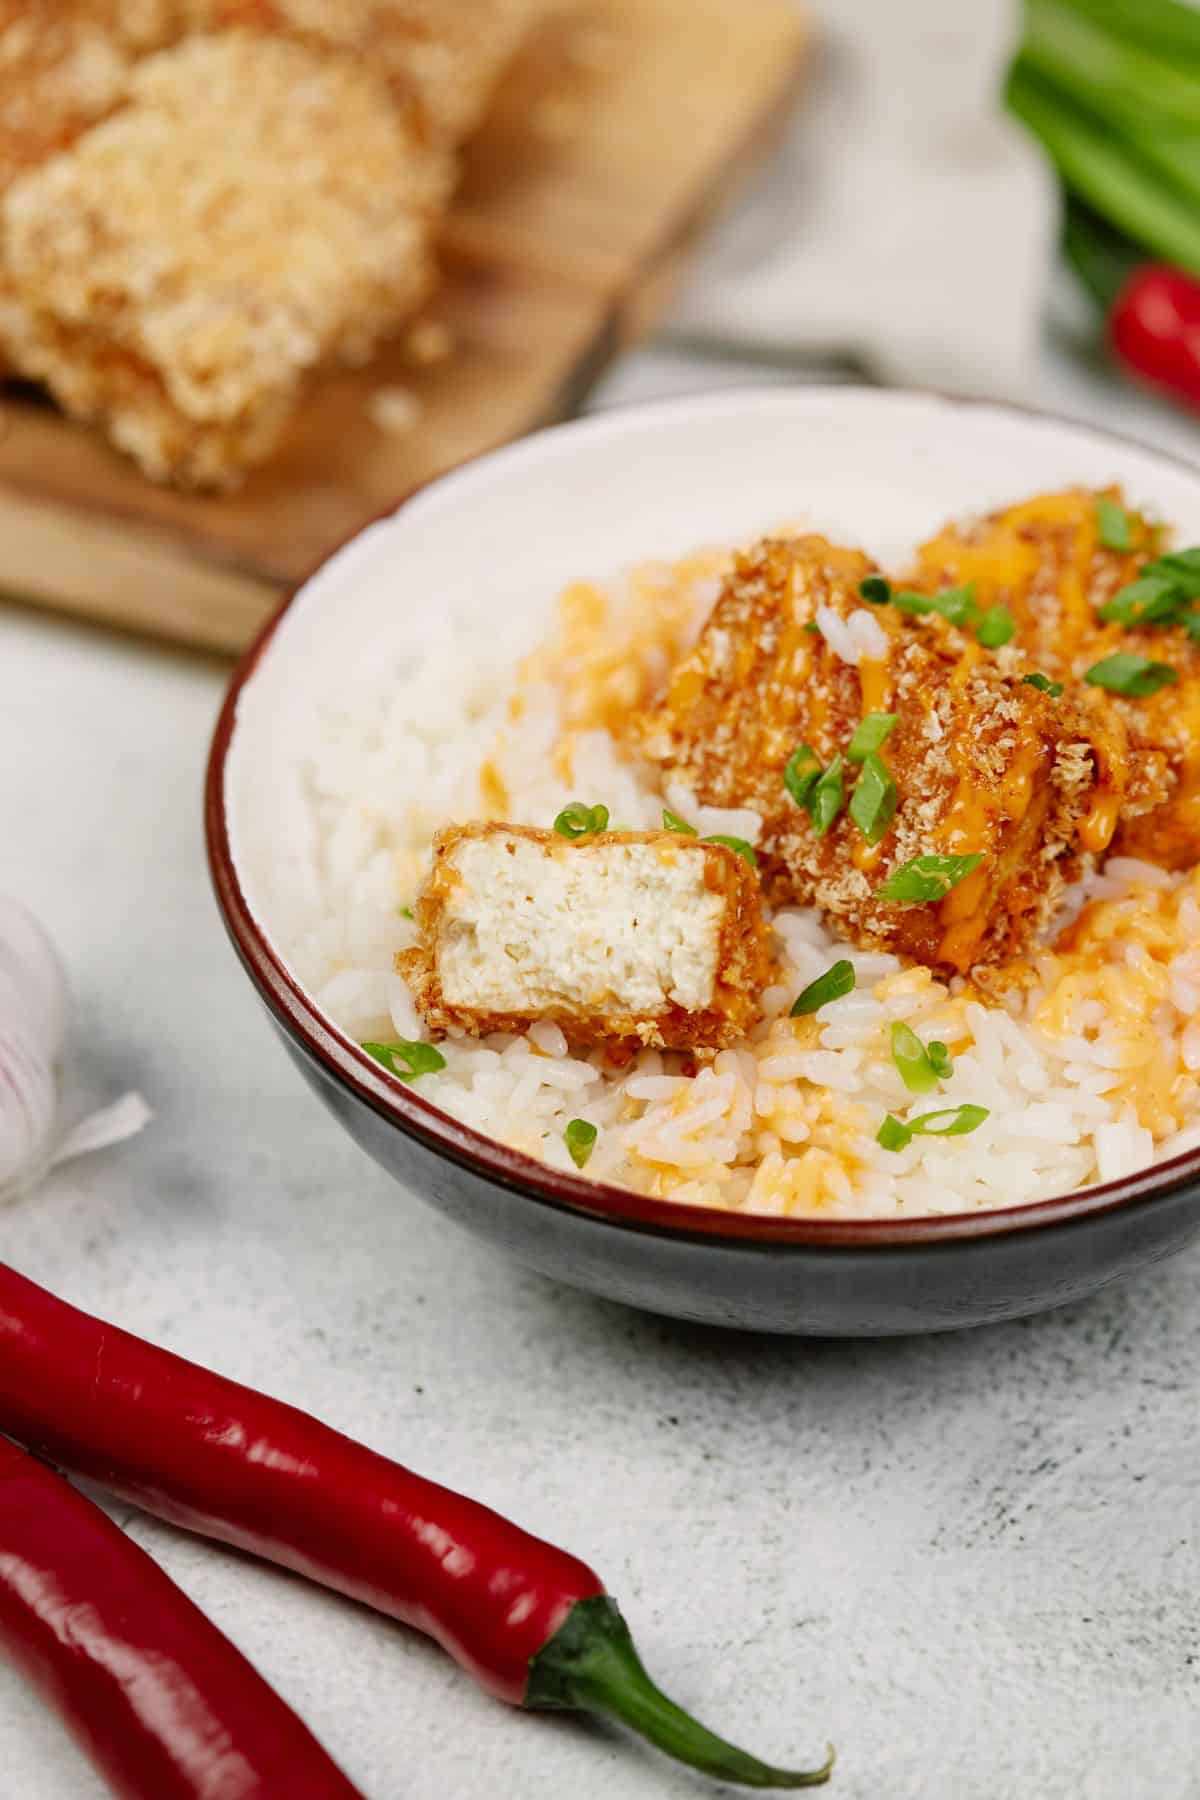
609 150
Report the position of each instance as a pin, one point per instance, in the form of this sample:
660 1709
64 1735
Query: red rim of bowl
422 1121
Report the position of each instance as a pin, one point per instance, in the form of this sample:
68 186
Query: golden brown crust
743 950
1042 558
982 763
173 278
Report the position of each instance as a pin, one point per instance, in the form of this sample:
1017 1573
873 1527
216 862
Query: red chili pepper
531 1623
1154 326
161 1701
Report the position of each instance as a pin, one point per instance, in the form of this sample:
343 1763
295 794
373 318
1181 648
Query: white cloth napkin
908 223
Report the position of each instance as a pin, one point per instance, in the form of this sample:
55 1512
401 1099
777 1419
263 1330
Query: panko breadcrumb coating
253 210
442 58
1043 558
982 763
621 938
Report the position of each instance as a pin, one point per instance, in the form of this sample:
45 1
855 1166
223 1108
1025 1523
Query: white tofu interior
603 928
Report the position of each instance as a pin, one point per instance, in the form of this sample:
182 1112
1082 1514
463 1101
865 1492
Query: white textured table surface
972 1560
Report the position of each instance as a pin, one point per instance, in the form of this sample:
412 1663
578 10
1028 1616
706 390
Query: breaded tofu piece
441 58
981 764
619 938
1045 561
255 209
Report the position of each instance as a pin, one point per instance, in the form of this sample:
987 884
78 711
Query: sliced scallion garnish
875 589
896 1134
836 981
1044 685
404 912
824 800
912 1060
954 603
1150 600
996 627
940 1059
1136 676
738 845
418 1059
673 822
1114 526
926 878
875 798
580 1139
871 733
801 773
578 820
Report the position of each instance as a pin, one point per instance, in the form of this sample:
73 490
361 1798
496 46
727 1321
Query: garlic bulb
33 1022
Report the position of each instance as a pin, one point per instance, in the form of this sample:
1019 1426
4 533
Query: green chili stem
591 1665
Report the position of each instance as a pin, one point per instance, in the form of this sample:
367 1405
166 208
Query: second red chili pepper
531 1623
1154 325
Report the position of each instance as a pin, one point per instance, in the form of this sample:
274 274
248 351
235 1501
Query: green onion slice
800 775
871 733
875 798
912 1060
940 1059
1150 600
824 800
876 589
1114 526
739 846
580 1139
836 981
1044 685
1124 673
814 628
926 878
950 1121
673 822
955 603
996 627
404 912
578 820
418 1059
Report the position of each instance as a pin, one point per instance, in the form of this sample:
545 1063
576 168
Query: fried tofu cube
63 65
978 763
441 58
255 209
1044 559
638 937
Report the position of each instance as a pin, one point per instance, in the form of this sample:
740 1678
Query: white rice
1082 1080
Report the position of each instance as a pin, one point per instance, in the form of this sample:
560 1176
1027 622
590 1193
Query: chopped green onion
814 628
926 878
1124 673
940 1059
580 1139
892 1135
874 800
739 846
955 604
824 801
1191 624
871 733
1044 685
673 822
1114 526
1180 566
996 627
876 589
418 1059
912 1060
800 775
404 912
1150 600
578 820
959 1121
836 981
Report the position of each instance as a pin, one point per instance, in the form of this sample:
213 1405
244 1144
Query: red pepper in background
163 1704
531 1623
1154 327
